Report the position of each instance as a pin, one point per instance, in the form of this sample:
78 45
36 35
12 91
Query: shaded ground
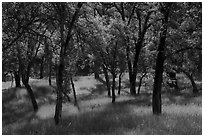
181 111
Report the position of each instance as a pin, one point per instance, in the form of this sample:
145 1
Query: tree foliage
68 39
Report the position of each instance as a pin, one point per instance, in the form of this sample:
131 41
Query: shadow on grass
183 98
16 102
16 106
42 91
8 94
117 118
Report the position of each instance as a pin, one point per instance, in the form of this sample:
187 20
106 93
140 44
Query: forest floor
181 110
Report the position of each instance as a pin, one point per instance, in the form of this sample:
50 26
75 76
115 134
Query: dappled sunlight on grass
181 111
69 110
46 111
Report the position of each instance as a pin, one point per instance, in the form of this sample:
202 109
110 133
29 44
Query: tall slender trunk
133 68
50 73
41 67
140 83
130 71
113 88
74 91
17 79
60 70
119 82
156 97
113 71
11 79
134 73
138 47
107 80
63 52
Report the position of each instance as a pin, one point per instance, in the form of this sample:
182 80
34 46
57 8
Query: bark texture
156 97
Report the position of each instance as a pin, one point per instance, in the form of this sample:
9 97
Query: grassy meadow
181 110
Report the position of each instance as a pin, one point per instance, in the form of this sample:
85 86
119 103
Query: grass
181 112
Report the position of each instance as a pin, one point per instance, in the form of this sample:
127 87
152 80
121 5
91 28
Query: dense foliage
68 39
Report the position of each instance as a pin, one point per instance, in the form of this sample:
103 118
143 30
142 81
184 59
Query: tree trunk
58 108
64 46
32 97
41 67
195 89
156 100
50 73
156 97
96 75
130 71
74 91
11 79
190 76
107 80
132 85
133 70
140 83
17 79
25 80
119 82
96 69
113 88
134 73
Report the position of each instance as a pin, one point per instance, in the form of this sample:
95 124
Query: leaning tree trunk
64 46
25 80
25 73
32 96
119 82
190 76
156 98
17 79
74 91
195 89
140 83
